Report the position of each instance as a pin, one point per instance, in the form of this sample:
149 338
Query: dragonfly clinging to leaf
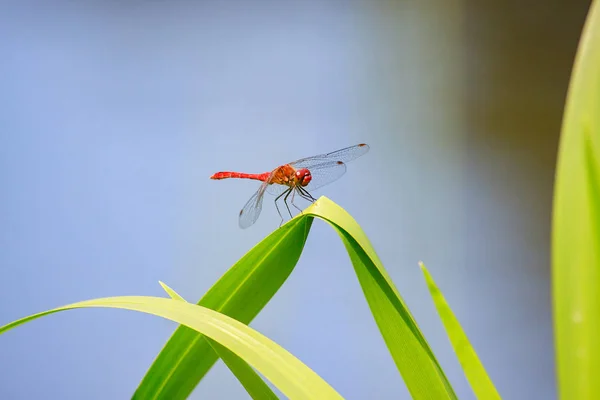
296 178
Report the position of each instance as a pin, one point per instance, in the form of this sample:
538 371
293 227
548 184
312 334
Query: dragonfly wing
345 155
325 173
251 211
276 189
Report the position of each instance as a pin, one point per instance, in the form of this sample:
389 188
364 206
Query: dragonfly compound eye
304 177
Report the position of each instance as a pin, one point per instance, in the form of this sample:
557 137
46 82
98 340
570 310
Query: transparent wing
251 211
345 155
276 189
325 173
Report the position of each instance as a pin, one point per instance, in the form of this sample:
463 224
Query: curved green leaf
411 353
241 293
251 282
474 370
285 371
576 225
251 381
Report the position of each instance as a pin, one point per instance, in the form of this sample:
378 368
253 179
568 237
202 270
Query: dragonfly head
303 176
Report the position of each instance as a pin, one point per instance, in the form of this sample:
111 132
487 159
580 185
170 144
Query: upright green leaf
412 355
474 370
576 225
285 371
241 293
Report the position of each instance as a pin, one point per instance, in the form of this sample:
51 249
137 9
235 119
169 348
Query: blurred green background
115 114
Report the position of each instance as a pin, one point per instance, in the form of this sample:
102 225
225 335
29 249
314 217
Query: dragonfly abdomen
240 175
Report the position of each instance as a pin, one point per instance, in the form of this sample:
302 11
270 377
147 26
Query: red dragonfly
297 177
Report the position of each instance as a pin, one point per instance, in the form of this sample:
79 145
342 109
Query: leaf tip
172 294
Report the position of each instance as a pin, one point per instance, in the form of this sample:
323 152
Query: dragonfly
296 178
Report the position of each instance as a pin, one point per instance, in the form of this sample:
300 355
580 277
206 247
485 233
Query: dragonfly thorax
303 176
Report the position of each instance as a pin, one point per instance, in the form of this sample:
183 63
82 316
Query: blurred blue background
114 114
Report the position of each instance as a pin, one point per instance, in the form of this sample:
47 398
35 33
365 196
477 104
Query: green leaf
172 294
413 357
251 282
576 225
241 293
482 386
285 371
251 381
176 371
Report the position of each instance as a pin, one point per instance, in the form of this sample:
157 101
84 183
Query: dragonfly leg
277 207
285 201
304 193
292 201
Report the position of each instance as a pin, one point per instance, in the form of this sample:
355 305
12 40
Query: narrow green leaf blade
411 353
576 225
172 294
285 371
251 381
474 370
241 293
